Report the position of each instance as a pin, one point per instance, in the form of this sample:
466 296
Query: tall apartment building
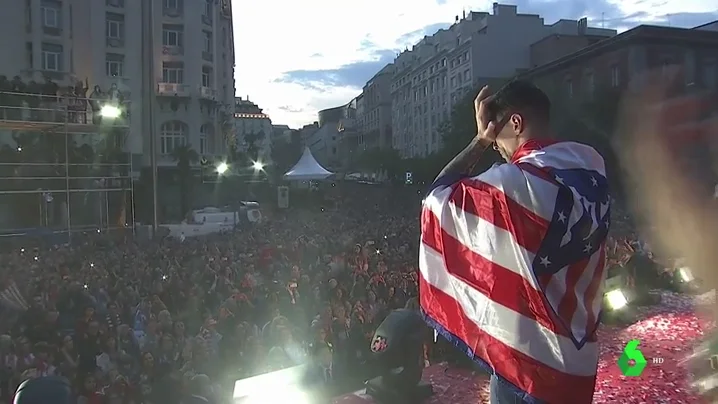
253 125
107 42
374 110
442 68
602 71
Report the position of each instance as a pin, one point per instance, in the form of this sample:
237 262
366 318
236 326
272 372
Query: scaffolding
64 165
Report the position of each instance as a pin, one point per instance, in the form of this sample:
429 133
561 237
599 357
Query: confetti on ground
667 332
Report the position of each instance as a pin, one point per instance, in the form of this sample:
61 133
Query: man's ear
517 123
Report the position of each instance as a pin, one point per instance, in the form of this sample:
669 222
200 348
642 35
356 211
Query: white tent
307 168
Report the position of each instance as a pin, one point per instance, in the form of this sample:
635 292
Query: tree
591 121
252 148
286 151
457 132
185 156
378 160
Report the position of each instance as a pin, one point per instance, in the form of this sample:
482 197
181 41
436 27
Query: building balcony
173 89
61 78
115 42
207 56
207 93
59 113
52 31
172 50
172 12
122 82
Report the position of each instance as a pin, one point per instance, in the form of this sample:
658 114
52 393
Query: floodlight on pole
109 111
222 168
258 166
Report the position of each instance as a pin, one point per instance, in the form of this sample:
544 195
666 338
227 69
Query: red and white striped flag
11 297
512 268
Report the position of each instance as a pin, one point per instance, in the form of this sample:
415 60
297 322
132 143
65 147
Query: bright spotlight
616 299
258 166
109 111
222 168
282 386
279 394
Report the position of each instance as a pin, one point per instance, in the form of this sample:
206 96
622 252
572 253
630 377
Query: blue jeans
500 393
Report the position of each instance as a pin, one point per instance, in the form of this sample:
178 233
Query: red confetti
667 331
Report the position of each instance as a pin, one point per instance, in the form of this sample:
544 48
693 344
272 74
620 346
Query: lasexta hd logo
632 353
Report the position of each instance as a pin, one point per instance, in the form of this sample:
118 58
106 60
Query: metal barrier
63 162
22 111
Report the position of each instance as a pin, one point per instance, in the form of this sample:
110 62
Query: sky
294 58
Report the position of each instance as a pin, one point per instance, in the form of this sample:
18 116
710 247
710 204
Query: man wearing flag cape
512 259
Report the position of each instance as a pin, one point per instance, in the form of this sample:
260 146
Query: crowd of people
149 322
156 321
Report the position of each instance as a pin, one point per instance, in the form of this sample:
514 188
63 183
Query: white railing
208 93
173 89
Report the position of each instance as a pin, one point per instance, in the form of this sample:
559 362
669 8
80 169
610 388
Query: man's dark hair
520 96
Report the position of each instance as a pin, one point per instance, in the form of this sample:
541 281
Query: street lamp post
151 109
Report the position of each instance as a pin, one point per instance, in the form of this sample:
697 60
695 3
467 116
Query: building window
172 4
615 76
590 84
173 72
50 14
114 26
51 57
207 41
207 76
172 35
569 87
205 138
666 67
28 55
173 135
114 65
208 12
709 74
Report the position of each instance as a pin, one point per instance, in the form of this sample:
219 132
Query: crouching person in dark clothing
319 381
201 391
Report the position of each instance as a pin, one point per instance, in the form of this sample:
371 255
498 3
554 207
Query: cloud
330 56
353 74
688 19
609 14
290 109
411 38
356 74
